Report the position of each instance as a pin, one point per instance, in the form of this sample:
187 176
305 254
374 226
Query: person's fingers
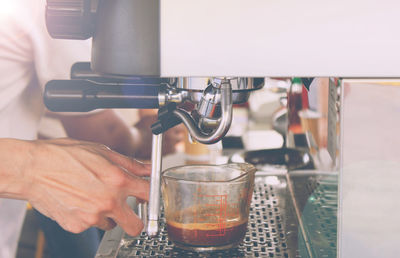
106 224
128 220
137 187
130 165
65 141
145 165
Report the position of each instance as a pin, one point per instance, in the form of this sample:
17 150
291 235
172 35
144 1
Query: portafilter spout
224 122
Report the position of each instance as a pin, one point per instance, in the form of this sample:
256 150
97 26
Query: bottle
294 105
294 135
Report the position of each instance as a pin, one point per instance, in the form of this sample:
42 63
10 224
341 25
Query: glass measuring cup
206 206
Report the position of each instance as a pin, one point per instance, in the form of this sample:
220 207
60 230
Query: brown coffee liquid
203 234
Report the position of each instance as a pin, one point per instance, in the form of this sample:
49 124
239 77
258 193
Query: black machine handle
166 119
86 95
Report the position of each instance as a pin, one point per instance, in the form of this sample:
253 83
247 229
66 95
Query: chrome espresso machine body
193 60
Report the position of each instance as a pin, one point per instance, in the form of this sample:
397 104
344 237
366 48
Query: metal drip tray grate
266 233
273 228
319 217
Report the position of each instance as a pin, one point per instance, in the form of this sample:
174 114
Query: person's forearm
103 127
78 184
15 156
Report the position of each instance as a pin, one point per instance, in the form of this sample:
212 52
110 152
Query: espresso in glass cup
207 206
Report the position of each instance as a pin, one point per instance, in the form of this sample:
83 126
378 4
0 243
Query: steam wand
154 199
166 120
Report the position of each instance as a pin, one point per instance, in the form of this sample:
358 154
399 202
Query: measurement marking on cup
195 218
221 205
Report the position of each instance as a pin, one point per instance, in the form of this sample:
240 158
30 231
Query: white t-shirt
28 59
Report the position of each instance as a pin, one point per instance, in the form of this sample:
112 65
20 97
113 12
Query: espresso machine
194 60
125 72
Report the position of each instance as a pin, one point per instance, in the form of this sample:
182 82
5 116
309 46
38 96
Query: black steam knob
70 19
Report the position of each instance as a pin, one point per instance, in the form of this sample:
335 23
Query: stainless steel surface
279 121
276 159
223 127
209 123
238 96
206 95
110 243
176 97
162 98
297 212
126 39
241 88
320 214
143 212
154 200
273 226
210 98
111 240
238 83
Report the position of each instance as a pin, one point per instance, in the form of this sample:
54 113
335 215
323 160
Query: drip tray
273 229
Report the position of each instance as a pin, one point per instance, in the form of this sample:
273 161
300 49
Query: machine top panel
280 38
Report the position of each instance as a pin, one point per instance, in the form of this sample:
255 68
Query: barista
77 183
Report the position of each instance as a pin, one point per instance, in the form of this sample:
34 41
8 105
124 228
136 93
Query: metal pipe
225 123
154 199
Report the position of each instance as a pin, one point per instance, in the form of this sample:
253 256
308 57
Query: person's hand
82 184
170 138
